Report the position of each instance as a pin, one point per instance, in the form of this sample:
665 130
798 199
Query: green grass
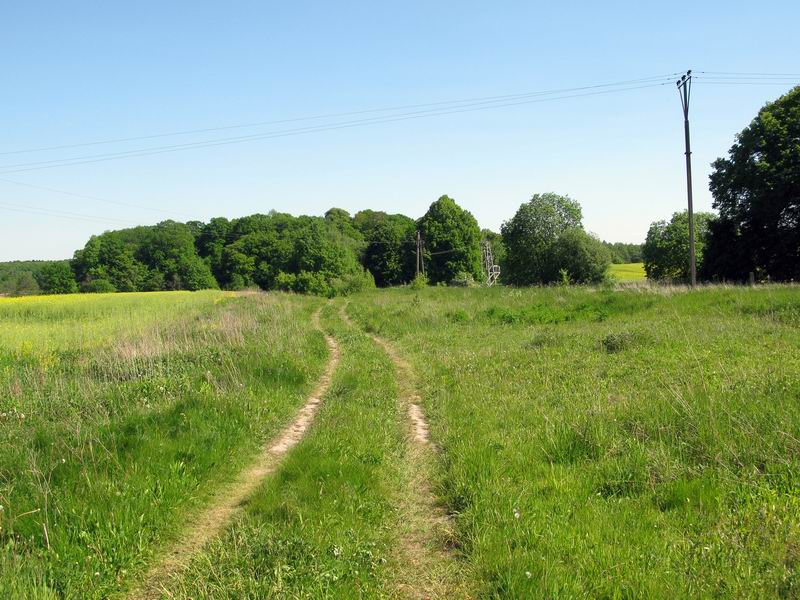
611 444
323 526
120 413
599 443
627 272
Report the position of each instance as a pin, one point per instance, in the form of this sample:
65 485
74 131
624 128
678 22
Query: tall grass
634 443
119 413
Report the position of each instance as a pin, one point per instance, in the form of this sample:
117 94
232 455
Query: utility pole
419 251
685 92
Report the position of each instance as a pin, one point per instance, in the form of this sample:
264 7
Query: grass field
627 272
586 443
612 444
119 413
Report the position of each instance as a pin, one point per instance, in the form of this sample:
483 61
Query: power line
87 197
291 132
784 83
754 74
330 116
483 104
37 211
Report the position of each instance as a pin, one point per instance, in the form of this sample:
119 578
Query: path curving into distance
210 522
426 568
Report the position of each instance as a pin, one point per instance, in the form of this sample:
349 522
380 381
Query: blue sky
77 72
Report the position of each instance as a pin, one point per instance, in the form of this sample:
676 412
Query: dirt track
210 522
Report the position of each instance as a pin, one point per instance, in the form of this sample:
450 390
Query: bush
420 282
463 279
353 283
98 286
578 257
666 249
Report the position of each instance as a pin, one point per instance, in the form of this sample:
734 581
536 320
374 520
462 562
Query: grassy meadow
120 413
591 442
627 272
612 444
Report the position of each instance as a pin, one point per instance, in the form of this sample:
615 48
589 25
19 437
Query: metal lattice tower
492 270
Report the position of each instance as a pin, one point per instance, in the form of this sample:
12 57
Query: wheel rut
426 567
211 521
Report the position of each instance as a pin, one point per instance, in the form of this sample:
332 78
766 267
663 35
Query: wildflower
528 574
516 513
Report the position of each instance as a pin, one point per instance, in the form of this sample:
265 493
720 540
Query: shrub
353 283
463 279
98 286
420 282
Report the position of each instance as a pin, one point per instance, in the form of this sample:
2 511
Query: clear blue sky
78 72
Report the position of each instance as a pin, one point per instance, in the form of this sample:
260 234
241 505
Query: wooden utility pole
419 251
685 91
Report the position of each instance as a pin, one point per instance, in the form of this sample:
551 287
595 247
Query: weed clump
616 342
542 339
457 316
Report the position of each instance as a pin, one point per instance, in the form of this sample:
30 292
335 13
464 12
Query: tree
530 235
57 278
341 220
390 250
211 242
169 248
579 255
757 193
666 249
452 241
109 257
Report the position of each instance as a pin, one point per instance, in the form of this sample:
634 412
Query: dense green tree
341 220
580 256
107 257
530 235
452 241
666 249
169 249
366 220
57 278
390 251
211 242
757 193
303 254
725 257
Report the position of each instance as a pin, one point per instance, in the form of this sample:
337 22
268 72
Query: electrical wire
87 197
37 211
23 167
332 115
752 74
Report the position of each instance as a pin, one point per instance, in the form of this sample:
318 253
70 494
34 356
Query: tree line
331 255
756 192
